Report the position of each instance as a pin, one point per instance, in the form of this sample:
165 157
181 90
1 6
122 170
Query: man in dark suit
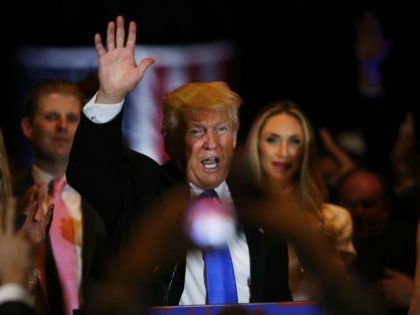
200 124
51 113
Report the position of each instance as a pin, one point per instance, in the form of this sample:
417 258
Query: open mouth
210 163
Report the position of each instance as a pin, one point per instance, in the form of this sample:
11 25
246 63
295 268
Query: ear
235 136
26 126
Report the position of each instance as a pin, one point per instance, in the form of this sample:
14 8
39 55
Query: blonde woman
18 248
281 155
5 178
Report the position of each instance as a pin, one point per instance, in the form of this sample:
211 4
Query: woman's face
280 148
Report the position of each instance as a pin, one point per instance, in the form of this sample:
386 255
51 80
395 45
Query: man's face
210 141
361 194
53 127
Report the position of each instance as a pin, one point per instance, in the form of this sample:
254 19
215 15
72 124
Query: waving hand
118 71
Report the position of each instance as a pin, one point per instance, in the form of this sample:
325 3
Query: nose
210 140
62 123
357 210
283 149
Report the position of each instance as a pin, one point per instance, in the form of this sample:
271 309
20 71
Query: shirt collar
222 190
41 176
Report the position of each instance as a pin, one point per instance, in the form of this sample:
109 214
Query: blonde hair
195 96
5 177
308 180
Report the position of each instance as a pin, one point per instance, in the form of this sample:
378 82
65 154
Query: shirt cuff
101 113
12 292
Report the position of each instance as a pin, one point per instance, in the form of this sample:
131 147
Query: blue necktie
218 270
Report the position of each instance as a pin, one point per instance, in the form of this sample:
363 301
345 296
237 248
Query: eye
73 118
196 132
52 116
272 139
295 142
222 129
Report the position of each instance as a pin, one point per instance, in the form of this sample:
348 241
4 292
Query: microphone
210 222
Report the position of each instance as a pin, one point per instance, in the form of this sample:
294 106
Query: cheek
73 127
228 144
296 152
192 148
296 157
44 127
41 130
265 151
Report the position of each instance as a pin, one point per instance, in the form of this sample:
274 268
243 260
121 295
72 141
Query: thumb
144 65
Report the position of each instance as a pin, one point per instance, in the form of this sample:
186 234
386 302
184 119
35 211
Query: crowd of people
348 244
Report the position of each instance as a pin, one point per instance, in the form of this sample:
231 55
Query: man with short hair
200 125
51 114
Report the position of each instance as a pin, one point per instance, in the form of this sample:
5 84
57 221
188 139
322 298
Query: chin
213 182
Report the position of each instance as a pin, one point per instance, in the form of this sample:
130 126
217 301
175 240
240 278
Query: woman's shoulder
338 219
335 215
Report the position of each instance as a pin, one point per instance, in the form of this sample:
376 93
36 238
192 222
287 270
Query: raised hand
404 145
118 71
343 160
403 156
372 49
37 228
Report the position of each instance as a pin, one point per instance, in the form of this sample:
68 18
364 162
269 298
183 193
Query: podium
282 308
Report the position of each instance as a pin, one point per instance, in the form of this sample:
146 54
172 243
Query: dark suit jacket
93 255
121 184
15 308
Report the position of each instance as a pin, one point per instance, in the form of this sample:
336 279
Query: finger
120 33
131 37
409 122
110 36
47 220
326 137
28 197
45 224
32 210
100 49
41 192
29 205
144 65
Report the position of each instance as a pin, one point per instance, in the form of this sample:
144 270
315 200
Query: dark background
298 49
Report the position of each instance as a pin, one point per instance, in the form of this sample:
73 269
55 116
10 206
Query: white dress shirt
13 292
194 287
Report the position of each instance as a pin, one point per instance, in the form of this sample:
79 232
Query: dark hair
386 190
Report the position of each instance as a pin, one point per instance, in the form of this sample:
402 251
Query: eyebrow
270 133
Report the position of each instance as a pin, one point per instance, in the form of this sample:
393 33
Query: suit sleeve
115 180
